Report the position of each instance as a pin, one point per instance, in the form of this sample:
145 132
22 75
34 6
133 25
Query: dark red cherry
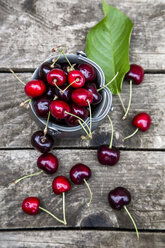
57 76
136 74
77 77
42 107
48 163
64 96
108 156
35 88
79 172
81 112
45 68
57 109
119 197
42 145
142 121
81 97
31 205
50 92
88 72
61 184
97 97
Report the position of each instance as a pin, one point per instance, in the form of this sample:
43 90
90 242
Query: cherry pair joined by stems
118 198
142 122
79 174
48 163
108 155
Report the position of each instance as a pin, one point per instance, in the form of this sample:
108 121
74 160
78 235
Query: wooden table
29 30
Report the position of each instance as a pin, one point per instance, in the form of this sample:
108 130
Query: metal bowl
100 111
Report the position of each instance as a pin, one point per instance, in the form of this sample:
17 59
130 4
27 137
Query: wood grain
30 29
16 126
80 239
141 172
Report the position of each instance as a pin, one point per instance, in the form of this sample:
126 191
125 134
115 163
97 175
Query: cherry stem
46 127
90 191
43 209
137 233
90 117
121 101
64 214
23 103
83 137
110 145
108 83
129 103
55 60
67 59
77 80
31 175
78 118
137 129
15 75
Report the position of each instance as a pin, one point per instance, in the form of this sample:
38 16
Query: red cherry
31 205
136 74
57 109
88 72
81 97
79 172
81 112
57 76
35 88
61 184
77 77
142 121
48 163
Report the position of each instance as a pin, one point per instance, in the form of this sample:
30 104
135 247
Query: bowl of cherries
73 98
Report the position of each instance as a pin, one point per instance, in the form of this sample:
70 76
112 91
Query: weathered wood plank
31 28
80 239
141 172
16 126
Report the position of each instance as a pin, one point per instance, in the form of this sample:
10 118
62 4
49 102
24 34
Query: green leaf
108 45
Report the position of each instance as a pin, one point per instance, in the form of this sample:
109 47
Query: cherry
60 185
136 74
42 145
81 112
88 72
35 88
97 97
79 173
82 97
31 206
56 77
142 122
48 163
58 109
118 198
50 92
108 155
76 79
42 107
45 68
64 94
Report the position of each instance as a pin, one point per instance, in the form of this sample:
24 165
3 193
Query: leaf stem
15 75
108 83
110 145
43 209
121 101
90 191
129 103
137 233
137 129
31 175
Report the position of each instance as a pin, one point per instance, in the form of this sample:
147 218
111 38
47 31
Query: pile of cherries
65 94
